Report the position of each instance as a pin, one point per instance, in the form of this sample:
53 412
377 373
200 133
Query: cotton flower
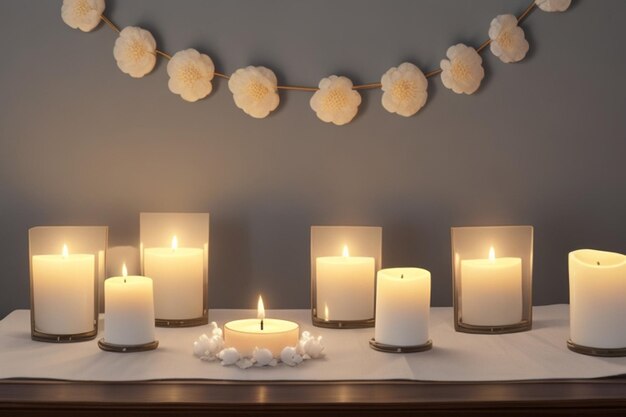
310 346
507 39
208 347
135 51
553 5
190 74
289 356
404 89
462 71
254 90
229 356
263 357
82 14
335 101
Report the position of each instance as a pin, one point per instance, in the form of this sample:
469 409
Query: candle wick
261 324
124 280
401 276
598 262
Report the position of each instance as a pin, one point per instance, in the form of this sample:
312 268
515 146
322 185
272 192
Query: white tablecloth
537 354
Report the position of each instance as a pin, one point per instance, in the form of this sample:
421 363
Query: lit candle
345 286
273 334
491 291
63 292
128 310
402 306
597 284
178 275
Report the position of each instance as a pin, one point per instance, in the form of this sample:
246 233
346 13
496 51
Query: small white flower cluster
255 89
211 348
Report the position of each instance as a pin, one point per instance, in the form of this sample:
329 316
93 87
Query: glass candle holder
66 264
597 286
174 252
344 261
492 278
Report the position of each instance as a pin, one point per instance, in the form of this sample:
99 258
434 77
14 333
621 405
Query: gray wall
541 143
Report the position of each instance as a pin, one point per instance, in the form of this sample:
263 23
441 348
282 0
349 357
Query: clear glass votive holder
174 252
492 278
344 262
66 265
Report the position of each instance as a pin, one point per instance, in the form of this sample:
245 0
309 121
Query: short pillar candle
402 307
597 281
128 310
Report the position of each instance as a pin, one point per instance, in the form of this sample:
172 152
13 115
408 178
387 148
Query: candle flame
260 309
492 254
174 243
346 252
326 312
65 252
124 270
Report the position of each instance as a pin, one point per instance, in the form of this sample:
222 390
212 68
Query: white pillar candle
345 287
272 334
402 306
597 281
128 310
178 277
63 293
491 291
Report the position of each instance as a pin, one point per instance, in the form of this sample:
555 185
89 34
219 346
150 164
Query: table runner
537 354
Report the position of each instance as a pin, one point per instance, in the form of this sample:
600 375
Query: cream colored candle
128 310
402 306
63 292
597 284
273 334
178 278
491 291
345 287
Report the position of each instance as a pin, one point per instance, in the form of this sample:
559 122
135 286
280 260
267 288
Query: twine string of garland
366 86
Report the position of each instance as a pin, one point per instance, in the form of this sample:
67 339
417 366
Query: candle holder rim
197 321
343 324
595 351
382 347
63 338
112 347
522 326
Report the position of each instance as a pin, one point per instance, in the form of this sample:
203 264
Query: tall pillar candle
128 310
402 306
597 281
63 293
345 287
491 291
178 278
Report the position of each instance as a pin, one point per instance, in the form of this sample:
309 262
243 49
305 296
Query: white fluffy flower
82 14
335 101
254 90
553 5
263 357
310 346
463 70
190 74
206 347
507 39
289 356
404 89
229 356
135 51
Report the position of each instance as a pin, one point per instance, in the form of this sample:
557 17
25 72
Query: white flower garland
211 348
336 100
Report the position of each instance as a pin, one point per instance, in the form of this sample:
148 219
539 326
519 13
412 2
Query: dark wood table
597 397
